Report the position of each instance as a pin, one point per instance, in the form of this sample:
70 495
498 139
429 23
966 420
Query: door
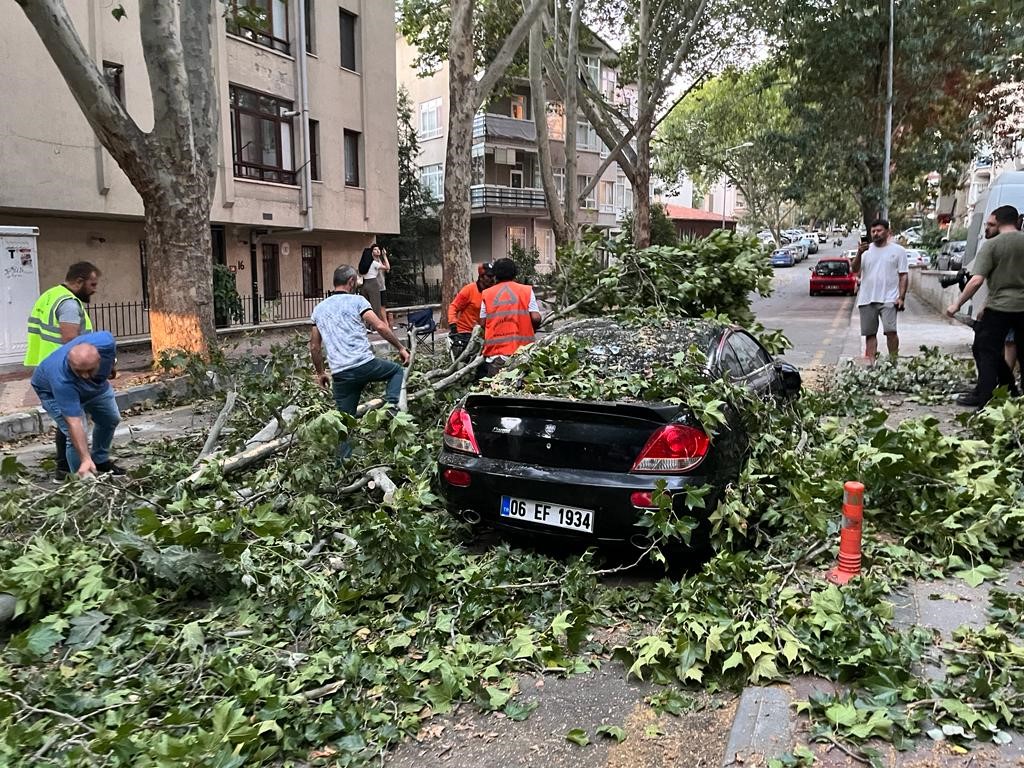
516 179
18 292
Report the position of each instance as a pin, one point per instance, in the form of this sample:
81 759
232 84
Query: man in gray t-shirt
339 325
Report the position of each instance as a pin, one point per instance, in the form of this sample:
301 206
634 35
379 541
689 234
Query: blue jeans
348 388
105 418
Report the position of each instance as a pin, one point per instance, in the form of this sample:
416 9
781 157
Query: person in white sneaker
883 288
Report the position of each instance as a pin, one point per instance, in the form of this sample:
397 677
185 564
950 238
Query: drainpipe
303 78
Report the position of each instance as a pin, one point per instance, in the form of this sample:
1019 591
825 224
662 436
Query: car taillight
457 477
673 448
458 432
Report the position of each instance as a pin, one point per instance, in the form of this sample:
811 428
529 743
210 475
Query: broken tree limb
472 347
246 458
560 313
450 379
319 693
403 397
222 418
379 479
273 427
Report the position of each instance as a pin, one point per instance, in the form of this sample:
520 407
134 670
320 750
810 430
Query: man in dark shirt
73 382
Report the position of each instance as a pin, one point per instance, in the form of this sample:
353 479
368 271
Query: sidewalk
920 325
766 725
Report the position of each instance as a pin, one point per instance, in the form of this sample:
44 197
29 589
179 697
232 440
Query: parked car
783 257
918 258
951 256
833 275
822 236
587 470
910 236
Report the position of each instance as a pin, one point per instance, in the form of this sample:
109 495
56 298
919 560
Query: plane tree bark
172 167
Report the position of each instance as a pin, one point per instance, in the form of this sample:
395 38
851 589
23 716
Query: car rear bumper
833 287
607 494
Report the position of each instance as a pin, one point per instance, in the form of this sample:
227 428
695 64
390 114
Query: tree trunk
180 268
456 261
539 102
642 190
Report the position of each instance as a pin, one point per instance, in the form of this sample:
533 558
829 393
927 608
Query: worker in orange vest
509 314
464 311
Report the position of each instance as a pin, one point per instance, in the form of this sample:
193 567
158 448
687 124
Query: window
518 108
608 83
271 272
751 356
606 196
559 174
516 236
262 21
556 122
349 54
592 70
432 178
114 75
261 137
590 201
586 137
431 125
351 150
314 150
312 272
307 9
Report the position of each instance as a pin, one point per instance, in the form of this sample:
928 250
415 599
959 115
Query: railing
131 318
494 196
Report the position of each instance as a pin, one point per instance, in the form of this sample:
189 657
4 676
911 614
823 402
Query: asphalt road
816 325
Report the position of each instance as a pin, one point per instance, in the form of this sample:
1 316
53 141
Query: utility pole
888 113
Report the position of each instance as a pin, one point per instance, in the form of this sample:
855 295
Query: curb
762 727
14 426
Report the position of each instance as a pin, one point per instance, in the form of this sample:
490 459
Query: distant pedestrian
59 316
1000 265
74 381
339 324
883 288
383 267
369 268
509 314
464 311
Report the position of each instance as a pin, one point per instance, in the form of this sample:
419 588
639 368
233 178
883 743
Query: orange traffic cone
849 535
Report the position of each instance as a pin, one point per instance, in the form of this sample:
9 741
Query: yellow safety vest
43 327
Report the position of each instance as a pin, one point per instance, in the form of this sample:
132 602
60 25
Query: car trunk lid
583 435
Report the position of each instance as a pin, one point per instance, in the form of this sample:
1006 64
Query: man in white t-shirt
339 324
883 288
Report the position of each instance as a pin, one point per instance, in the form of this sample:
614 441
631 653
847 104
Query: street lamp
725 184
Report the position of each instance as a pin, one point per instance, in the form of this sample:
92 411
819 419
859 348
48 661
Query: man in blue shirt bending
74 381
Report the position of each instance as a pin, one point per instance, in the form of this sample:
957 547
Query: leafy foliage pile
279 616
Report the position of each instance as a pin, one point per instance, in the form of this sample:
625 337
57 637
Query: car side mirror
791 380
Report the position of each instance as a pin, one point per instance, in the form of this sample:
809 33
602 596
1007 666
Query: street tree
479 39
669 48
733 109
837 52
172 166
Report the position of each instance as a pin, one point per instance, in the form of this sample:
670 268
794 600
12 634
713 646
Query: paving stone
763 726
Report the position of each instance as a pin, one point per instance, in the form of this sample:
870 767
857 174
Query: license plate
543 513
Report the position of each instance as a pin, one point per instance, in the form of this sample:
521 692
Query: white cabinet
19 288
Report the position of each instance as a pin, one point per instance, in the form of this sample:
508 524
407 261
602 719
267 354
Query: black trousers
989 338
62 452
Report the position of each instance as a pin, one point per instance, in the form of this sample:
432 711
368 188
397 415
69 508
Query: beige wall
422 89
51 161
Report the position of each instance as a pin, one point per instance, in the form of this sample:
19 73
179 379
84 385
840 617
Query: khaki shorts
869 314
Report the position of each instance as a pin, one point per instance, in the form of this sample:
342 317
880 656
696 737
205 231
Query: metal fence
131 318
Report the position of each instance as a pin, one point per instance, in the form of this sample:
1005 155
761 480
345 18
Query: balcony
500 127
491 197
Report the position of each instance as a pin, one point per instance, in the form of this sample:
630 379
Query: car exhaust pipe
640 541
471 516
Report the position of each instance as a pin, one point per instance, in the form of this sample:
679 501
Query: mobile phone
865 240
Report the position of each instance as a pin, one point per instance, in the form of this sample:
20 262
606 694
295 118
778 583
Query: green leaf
843 714
735 660
40 639
192 636
87 630
119 13
497 697
520 710
578 737
612 732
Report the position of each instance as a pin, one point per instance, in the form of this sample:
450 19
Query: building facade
506 195
281 238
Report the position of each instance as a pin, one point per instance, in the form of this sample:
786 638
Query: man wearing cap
464 311
59 316
339 324
509 314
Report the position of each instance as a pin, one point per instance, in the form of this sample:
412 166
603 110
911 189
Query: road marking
819 356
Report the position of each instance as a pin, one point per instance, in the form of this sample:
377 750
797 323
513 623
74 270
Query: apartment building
281 237
508 203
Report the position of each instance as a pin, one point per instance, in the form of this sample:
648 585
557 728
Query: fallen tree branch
319 693
244 459
471 348
448 380
560 313
273 427
403 397
222 418
379 479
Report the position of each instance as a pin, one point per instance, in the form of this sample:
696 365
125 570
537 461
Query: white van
1007 189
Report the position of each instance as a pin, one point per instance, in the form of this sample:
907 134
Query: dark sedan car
588 469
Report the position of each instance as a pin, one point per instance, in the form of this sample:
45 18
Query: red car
833 276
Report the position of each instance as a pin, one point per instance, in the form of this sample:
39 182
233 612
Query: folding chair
421 322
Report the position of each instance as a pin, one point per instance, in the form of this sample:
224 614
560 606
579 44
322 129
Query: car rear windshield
832 268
